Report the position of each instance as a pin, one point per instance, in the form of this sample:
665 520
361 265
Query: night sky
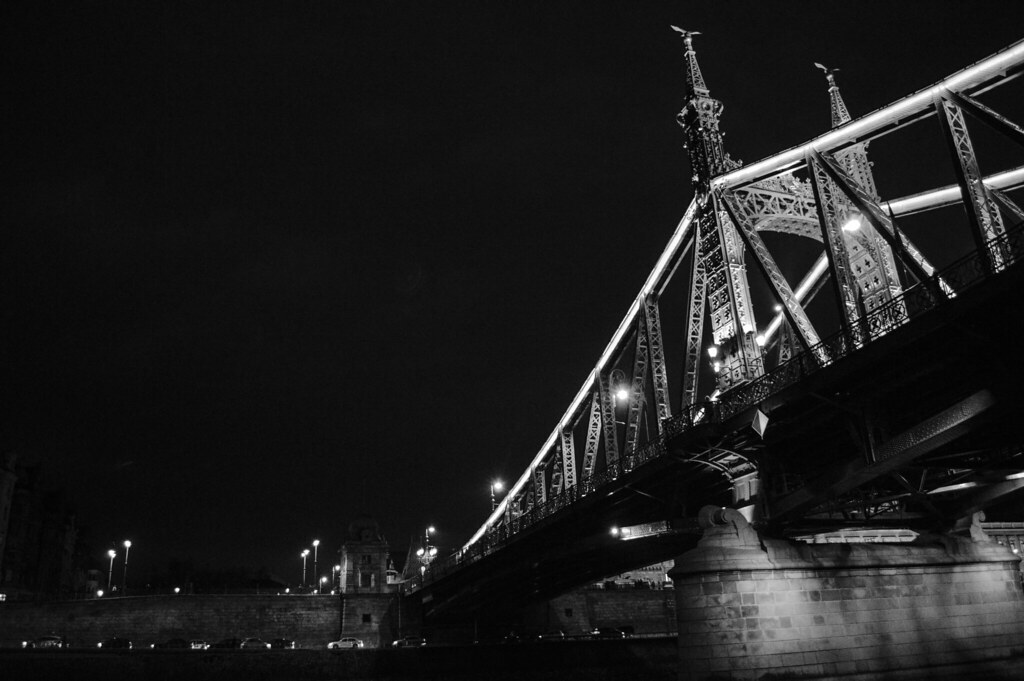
267 267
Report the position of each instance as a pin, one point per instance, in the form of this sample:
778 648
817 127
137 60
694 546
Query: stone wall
644 611
749 607
311 621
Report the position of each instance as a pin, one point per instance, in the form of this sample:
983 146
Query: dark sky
270 266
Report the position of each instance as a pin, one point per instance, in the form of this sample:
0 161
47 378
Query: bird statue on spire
687 35
828 71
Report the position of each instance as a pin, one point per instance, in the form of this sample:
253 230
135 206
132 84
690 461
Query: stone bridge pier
753 607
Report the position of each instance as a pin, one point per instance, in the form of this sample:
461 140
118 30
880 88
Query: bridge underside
917 429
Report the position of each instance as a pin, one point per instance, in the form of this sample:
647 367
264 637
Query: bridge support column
749 606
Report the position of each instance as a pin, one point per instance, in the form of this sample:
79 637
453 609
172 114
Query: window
367 618
366 579
367 559
568 612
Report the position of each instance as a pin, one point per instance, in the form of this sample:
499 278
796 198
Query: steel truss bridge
884 391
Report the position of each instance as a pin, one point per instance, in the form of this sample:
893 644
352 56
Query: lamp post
305 552
320 586
496 486
110 573
124 578
316 570
336 574
427 553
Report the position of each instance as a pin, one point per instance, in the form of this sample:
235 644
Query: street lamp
320 586
110 573
496 486
427 553
316 570
336 573
305 552
124 579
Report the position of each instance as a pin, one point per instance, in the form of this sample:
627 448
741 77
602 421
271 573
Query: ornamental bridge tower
719 274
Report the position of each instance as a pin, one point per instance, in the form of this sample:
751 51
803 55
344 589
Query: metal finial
687 35
829 73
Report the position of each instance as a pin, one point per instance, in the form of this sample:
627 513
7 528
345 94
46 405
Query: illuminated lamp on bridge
852 224
713 354
426 553
496 486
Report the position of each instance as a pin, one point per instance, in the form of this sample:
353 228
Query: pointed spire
699 120
694 78
839 113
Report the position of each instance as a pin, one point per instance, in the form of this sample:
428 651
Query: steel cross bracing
721 231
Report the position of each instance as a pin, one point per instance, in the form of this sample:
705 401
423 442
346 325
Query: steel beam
889 456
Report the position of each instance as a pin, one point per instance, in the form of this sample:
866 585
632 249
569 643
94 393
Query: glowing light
99 593
127 544
777 308
621 394
177 590
614 531
419 552
316 542
852 225
761 340
498 486
713 351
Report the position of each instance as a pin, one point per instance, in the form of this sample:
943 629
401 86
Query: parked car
607 632
197 644
228 643
346 642
283 644
45 642
254 644
172 643
116 643
553 635
409 642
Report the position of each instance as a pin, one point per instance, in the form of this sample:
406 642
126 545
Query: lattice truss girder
694 325
787 205
791 306
981 202
719 261
831 213
659 373
593 435
557 471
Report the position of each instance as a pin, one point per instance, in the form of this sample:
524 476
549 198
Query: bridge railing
924 296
